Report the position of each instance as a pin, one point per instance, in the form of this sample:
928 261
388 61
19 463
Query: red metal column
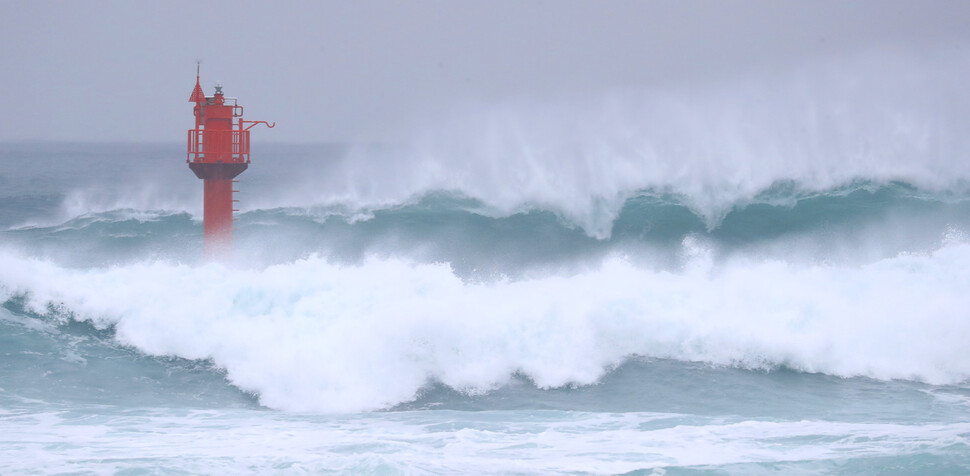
217 206
217 216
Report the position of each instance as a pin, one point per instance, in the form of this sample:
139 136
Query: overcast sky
363 70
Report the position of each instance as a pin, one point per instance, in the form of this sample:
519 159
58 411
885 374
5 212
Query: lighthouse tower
218 151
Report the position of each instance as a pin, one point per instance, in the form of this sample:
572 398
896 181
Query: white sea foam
310 335
447 442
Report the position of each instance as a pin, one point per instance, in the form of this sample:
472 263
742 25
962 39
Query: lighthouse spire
197 94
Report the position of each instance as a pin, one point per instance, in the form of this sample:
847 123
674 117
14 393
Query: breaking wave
311 335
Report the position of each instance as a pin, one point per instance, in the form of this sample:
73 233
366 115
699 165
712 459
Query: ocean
586 304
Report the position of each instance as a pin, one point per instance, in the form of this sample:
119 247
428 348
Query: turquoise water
396 325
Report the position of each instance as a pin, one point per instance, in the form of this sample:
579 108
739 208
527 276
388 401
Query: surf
316 336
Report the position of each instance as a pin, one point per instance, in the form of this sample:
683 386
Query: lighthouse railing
195 146
239 151
240 146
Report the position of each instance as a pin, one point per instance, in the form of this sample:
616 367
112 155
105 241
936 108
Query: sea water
519 300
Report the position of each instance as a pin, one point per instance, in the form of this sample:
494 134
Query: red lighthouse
218 151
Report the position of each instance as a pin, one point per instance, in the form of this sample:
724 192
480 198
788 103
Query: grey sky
335 71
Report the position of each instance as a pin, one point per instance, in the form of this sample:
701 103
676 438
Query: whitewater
764 275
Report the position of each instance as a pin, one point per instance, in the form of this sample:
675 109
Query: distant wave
648 215
781 195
